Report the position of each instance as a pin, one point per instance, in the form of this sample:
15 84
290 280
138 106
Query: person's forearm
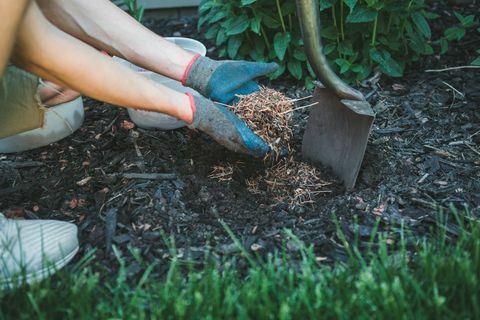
11 15
56 56
105 26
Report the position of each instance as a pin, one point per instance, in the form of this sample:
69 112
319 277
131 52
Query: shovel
340 122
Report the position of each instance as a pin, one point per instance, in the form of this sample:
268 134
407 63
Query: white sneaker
31 250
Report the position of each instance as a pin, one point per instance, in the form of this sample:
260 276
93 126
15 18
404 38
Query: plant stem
334 15
400 34
374 35
280 14
341 20
265 38
389 25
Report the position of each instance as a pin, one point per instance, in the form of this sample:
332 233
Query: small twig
473 135
422 179
110 227
147 176
299 99
453 68
225 105
472 148
25 164
110 125
299 108
431 205
454 90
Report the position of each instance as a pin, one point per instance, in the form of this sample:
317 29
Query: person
59 41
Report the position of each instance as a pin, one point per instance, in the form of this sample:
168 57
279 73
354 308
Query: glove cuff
193 106
198 75
189 67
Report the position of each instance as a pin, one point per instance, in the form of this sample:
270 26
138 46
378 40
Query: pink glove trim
185 74
192 104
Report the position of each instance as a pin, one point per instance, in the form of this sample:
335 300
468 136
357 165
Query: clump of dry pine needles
268 113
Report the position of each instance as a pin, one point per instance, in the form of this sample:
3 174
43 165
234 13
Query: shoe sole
41 274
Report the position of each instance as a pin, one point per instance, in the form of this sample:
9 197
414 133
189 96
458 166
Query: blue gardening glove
221 81
225 127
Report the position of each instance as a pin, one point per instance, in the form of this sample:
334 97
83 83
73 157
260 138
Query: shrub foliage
358 35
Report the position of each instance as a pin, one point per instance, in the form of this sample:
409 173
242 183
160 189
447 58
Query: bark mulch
131 187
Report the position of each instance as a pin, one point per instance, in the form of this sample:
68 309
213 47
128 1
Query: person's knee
20 107
52 94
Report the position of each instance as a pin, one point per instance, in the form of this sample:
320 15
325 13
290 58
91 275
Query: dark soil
423 155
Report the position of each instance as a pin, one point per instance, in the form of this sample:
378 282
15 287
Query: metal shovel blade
337 134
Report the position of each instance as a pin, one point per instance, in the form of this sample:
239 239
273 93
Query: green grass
438 279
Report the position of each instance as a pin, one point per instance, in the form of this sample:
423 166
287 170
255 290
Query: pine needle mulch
269 114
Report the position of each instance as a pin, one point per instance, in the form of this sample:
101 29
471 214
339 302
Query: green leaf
299 54
219 15
221 37
255 24
325 4
270 22
467 21
236 25
280 44
247 2
310 70
205 6
330 33
387 42
295 68
329 48
454 33
343 64
139 14
387 64
422 24
279 72
222 52
416 42
346 48
430 15
309 85
258 53
212 31
362 71
351 4
362 14
476 62
234 44
443 46
289 7
201 22
366 72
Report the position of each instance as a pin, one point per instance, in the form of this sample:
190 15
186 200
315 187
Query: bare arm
103 25
11 14
56 56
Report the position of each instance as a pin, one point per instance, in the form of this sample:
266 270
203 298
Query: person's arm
43 49
105 26
54 55
11 14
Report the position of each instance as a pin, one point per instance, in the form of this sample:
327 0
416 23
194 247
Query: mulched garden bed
128 187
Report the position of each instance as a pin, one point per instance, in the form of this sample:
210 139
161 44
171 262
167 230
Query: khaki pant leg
20 107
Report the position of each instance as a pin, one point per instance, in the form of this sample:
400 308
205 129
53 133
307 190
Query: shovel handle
309 17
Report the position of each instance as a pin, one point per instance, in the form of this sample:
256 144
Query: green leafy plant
359 35
134 9
456 32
